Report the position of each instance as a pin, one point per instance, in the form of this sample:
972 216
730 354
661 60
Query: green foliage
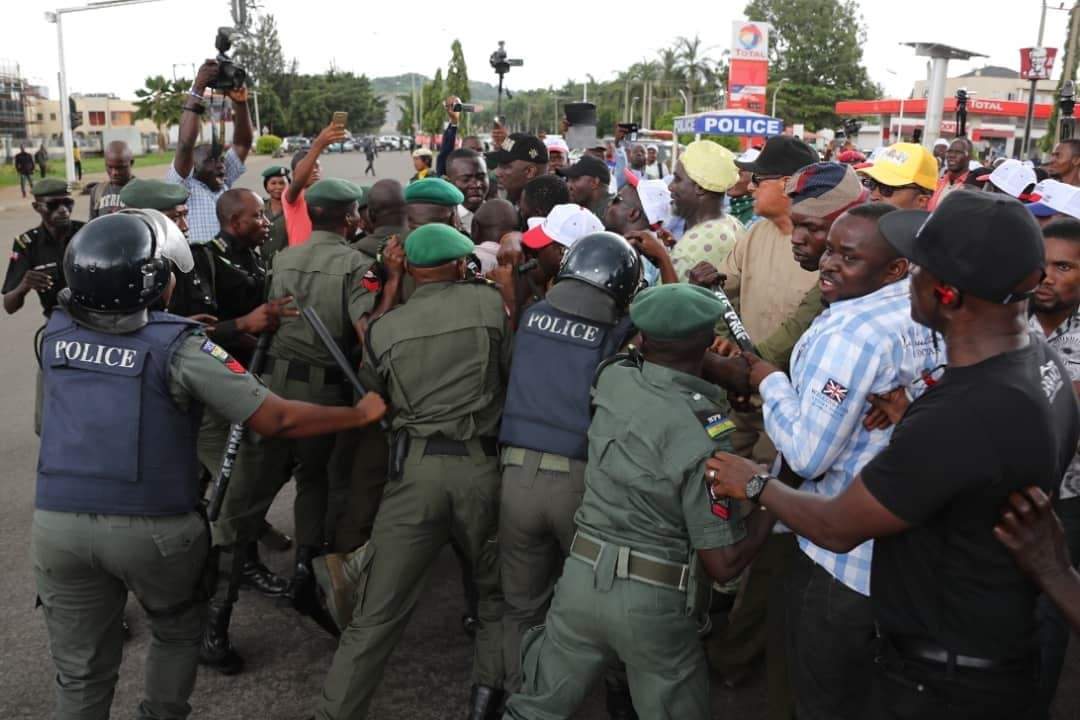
259 51
432 112
267 144
1070 61
161 102
271 111
457 75
816 45
315 98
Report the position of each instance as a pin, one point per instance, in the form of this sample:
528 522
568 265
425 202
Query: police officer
559 344
443 359
275 180
37 253
324 273
117 492
631 588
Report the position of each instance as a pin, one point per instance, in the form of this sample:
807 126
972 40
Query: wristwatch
756 485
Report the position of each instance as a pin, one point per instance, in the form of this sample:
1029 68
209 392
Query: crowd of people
673 415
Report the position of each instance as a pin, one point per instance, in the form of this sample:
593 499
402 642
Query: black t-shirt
982 432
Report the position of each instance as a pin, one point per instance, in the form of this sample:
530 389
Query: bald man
105 197
494 219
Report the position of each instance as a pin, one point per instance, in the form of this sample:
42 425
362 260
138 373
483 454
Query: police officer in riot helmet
560 342
117 498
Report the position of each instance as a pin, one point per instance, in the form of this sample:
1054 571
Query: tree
317 97
457 77
259 52
271 111
816 46
161 102
693 66
433 113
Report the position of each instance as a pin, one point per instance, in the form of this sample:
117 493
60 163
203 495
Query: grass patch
90 165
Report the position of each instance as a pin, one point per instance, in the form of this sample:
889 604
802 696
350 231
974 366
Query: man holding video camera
207 171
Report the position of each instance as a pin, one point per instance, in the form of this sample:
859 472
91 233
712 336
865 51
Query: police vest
112 439
555 357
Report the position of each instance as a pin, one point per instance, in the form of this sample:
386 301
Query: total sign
750 40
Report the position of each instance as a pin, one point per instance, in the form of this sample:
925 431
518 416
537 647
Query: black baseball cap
520 146
983 243
587 165
782 155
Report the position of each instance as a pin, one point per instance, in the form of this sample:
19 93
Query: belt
437 445
548 461
919 649
633 565
302 372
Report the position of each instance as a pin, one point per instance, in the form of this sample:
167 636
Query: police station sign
730 124
749 40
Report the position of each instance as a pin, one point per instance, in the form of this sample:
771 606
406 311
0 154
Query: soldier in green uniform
37 253
443 360
117 496
325 274
631 588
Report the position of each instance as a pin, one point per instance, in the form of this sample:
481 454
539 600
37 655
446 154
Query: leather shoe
216 652
255 575
485 703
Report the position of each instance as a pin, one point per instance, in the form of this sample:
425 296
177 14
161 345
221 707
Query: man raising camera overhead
207 171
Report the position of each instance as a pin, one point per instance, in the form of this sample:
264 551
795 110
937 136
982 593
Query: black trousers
905 689
831 644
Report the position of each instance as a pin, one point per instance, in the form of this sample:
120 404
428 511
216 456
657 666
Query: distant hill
403 84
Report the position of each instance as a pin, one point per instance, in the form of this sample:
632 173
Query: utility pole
1031 93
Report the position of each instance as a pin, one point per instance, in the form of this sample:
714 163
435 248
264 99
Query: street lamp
57 16
633 101
900 130
686 101
775 92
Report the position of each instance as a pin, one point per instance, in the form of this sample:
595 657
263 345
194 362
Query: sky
114 49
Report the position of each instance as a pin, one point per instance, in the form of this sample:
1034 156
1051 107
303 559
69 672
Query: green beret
50 186
435 191
275 171
434 244
365 190
675 311
332 191
153 195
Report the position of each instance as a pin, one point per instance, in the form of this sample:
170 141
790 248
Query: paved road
287 655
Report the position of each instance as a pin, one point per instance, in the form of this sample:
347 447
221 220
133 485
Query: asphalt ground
287 655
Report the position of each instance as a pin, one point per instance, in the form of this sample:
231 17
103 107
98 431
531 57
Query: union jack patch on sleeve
834 391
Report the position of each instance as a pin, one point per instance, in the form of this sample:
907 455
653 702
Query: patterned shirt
202 202
855 348
1065 339
710 241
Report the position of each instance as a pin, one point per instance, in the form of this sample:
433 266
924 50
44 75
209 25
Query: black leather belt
919 649
445 446
302 372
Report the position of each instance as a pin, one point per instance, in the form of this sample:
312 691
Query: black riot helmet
120 263
606 261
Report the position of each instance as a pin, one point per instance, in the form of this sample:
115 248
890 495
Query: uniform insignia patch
218 353
834 391
718 506
715 423
371 282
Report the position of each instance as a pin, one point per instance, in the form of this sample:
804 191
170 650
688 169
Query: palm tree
161 101
670 75
693 66
646 71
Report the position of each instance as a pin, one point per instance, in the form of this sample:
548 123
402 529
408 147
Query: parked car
346 145
295 142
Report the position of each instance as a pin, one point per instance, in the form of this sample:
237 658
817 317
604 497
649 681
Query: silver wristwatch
755 486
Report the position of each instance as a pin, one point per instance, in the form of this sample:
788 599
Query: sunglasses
887 190
51 205
758 179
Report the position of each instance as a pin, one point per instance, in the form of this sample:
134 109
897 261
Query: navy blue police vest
555 357
112 439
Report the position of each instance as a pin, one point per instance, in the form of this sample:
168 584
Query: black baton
332 347
236 436
734 324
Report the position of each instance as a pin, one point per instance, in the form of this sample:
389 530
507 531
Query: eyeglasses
758 179
888 190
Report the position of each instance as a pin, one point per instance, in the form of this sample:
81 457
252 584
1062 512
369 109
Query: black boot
216 651
619 704
485 703
255 575
302 591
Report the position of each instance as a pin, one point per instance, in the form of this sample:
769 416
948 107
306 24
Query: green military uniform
324 273
442 360
630 589
159 559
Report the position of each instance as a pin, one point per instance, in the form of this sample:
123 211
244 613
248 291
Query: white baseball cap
941 141
557 144
1013 177
1059 197
655 198
565 224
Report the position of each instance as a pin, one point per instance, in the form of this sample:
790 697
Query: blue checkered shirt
202 202
857 347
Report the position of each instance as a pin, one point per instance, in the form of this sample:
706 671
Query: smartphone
340 118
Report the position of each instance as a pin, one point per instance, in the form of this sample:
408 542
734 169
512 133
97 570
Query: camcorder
631 129
230 76
463 107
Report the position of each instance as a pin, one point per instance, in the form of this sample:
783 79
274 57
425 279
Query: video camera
230 76
501 63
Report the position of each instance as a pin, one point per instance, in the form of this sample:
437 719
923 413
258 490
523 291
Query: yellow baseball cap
905 164
710 165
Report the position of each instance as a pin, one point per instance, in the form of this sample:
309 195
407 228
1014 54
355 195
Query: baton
236 436
332 347
734 324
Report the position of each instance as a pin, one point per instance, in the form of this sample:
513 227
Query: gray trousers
84 566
